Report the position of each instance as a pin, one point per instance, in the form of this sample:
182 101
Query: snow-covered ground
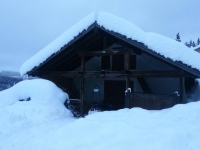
43 123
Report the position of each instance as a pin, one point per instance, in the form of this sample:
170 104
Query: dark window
189 84
118 62
132 62
114 93
105 62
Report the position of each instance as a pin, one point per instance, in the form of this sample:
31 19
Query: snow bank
167 47
176 128
30 102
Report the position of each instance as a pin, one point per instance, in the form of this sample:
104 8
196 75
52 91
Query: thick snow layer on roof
167 47
197 47
30 102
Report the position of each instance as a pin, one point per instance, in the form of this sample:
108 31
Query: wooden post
127 68
82 85
127 99
181 84
104 42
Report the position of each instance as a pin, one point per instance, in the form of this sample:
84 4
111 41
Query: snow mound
175 128
30 102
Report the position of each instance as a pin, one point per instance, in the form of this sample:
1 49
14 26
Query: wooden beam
124 44
82 63
106 52
144 85
86 40
104 42
115 74
181 90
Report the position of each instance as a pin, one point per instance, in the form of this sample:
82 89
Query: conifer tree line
7 82
190 43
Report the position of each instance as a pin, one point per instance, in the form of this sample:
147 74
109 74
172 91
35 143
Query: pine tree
187 44
193 44
178 38
190 43
198 41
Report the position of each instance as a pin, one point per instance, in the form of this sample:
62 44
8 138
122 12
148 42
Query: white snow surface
171 129
176 128
167 47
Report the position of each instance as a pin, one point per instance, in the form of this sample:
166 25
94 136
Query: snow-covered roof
166 47
197 47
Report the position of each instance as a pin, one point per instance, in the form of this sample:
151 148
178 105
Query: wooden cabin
103 58
197 49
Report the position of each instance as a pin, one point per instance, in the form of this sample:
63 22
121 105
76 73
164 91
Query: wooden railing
151 101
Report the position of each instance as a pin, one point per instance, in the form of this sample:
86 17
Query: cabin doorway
114 93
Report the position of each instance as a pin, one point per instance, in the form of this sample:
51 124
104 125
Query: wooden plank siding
152 101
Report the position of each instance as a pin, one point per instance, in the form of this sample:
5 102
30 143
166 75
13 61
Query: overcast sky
28 26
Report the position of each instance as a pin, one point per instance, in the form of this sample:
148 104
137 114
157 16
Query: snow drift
176 128
31 102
